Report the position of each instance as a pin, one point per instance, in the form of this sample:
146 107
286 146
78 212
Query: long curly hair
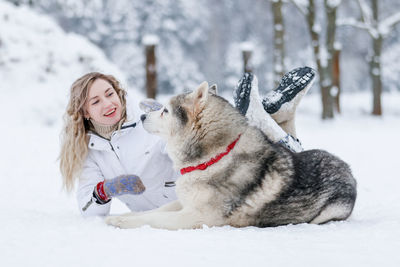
74 139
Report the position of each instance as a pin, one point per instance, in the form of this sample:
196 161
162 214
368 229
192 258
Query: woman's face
103 104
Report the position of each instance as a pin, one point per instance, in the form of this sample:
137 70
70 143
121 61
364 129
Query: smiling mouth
110 113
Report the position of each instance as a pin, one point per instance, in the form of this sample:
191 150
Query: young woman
112 156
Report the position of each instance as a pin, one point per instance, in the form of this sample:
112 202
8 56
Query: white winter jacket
130 151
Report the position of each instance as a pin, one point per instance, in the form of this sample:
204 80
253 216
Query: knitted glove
121 185
149 105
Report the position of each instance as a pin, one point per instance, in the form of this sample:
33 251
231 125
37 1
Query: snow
43 223
324 56
247 46
391 67
37 53
278 27
334 91
278 68
376 72
41 226
150 39
377 29
302 5
385 26
337 46
316 28
334 3
366 11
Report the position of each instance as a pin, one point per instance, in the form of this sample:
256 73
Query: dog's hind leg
333 212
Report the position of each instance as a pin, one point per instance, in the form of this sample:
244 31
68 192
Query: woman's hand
121 185
149 105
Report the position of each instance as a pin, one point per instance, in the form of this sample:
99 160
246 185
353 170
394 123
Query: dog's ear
213 89
200 96
201 93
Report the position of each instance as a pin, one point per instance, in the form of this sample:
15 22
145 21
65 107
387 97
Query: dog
232 174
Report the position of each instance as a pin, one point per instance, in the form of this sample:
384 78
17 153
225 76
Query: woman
111 156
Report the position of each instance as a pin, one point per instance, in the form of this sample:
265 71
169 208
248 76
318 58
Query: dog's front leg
171 220
172 206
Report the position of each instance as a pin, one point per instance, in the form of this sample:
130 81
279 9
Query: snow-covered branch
374 28
301 6
386 25
366 12
334 3
359 24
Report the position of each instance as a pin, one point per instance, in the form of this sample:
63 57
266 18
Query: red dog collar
205 165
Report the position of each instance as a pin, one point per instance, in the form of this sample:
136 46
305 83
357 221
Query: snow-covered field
40 224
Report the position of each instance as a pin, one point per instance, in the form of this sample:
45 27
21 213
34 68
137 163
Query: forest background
354 44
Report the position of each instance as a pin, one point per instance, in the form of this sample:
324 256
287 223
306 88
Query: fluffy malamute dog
232 174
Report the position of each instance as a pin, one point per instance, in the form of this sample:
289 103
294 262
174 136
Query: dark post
151 73
336 78
150 43
247 51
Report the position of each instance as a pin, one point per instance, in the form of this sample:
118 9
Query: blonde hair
74 139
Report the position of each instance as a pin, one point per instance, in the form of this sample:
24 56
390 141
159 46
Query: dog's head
178 113
194 123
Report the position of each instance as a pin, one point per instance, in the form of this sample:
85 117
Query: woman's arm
89 178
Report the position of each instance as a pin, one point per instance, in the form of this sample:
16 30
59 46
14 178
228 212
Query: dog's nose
143 117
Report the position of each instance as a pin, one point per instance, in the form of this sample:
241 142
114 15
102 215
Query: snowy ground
41 226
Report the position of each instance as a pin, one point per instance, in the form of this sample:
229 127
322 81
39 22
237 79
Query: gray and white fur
258 183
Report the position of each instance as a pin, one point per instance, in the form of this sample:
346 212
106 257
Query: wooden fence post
247 51
150 42
336 78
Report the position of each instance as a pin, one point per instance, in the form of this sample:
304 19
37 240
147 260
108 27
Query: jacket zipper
112 148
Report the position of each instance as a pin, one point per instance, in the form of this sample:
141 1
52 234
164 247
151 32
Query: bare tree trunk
324 75
246 60
151 72
378 30
336 79
330 11
279 42
375 70
375 65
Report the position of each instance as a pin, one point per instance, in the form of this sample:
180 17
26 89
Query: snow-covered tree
279 40
118 27
323 49
201 39
378 29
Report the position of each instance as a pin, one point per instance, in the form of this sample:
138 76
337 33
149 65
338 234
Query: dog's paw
116 221
124 222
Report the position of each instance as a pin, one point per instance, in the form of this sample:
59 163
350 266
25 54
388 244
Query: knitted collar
104 130
205 165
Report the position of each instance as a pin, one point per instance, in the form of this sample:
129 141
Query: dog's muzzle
143 117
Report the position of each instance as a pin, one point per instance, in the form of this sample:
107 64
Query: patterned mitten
121 185
149 105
